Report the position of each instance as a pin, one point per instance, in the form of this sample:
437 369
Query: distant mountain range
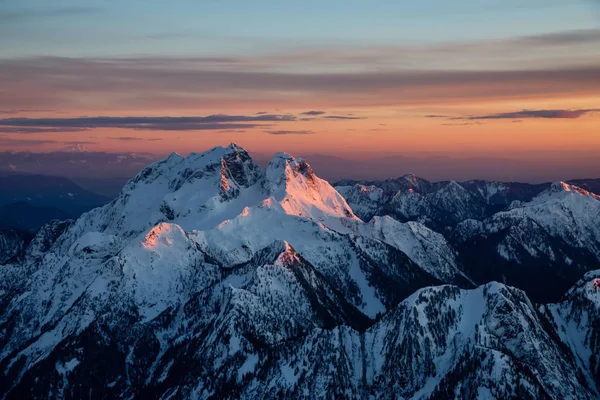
29 201
106 173
78 163
502 225
211 277
98 172
440 203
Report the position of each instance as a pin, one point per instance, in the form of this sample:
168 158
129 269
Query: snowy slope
427 248
577 319
554 238
180 228
209 277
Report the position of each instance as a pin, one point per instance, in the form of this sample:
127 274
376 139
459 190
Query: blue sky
151 27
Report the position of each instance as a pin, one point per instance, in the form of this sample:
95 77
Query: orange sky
368 101
382 130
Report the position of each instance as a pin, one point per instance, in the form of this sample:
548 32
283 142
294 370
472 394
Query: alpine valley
209 277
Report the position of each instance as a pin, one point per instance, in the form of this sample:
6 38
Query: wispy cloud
562 38
435 116
25 142
126 138
282 132
12 141
211 122
190 83
342 117
132 139
314 113
40 129
19 111
518 116
79 142
461 123
16 16
549 114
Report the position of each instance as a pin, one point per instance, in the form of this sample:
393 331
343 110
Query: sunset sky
355 77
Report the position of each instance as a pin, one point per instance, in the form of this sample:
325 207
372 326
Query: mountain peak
411 178
278 252
174 156
293 183
235 146
558 187
281 158
284 166
74 148
162 235
287 257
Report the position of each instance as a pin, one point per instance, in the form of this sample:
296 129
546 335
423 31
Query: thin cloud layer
283 132
549 114
314 113
18 16
517 116
575 37
25 142
342 117
40 129
211 122
126 138
176 84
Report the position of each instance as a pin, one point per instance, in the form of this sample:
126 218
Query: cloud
19 15
581 36
182 83
342 117
517 116
290 132
210 122
24 142
131 139
18 111
39 129
462 124
340 77
314 113
550 114
127 138
79 142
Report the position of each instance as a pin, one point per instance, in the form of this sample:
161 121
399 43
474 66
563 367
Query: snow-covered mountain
210 277
497 228
552 239
410 198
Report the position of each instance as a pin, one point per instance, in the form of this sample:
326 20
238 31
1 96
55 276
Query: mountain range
211 277
28 201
